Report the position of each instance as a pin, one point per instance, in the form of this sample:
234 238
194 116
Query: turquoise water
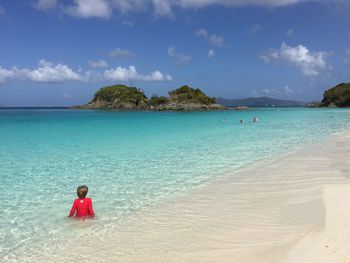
130 160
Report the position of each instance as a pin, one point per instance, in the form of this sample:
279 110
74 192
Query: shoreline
260 217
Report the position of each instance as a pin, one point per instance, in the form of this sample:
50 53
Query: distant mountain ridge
259 102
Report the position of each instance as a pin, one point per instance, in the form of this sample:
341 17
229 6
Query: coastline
238 218
210 225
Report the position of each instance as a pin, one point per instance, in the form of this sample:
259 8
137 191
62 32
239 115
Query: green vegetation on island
338 96
156 101
185 94
186 98
121 97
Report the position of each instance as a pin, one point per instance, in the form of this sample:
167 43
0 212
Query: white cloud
157 76
347 56
67 96
211 53
201 33
290 32
216 40
98 64
90 8
266 91
178 58
45 4
234 3
2 10
121 53
127 74
128 23
125 6
6 74
213 39
160 7
288 90
265 58
309 63
255 29
46 72
165 8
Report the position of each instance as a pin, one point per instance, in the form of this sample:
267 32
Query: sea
131 162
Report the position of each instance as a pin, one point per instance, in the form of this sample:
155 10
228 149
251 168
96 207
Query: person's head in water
82 191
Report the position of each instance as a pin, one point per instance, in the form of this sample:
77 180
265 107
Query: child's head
82 191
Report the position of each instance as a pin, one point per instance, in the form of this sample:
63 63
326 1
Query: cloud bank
50 73
46 72
163 8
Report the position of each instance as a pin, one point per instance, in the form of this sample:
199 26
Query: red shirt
83 206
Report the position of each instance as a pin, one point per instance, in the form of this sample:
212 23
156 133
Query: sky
59 52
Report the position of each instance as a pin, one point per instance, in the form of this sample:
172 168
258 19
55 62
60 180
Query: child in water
82 205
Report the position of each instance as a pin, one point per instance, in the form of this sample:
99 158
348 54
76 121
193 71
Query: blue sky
59 52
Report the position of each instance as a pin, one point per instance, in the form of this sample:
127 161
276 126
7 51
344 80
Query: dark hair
82 191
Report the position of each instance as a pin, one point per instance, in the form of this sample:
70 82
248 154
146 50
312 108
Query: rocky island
122 97
336 97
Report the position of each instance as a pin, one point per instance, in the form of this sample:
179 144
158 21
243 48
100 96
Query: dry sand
332 244
293 208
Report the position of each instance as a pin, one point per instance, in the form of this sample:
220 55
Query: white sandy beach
294 209
298 212
331 244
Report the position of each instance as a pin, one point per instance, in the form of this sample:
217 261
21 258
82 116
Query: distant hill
259 102
338 96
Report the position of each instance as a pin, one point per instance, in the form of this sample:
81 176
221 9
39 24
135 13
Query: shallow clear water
130 160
